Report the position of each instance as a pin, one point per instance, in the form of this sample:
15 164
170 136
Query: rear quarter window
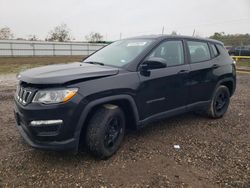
222 50
214 50
199 51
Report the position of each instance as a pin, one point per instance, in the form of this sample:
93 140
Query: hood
62 73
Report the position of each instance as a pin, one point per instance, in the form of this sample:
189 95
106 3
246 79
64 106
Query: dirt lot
213 153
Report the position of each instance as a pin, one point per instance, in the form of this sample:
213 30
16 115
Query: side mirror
153 63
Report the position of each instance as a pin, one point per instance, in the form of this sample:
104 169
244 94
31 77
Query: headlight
54 96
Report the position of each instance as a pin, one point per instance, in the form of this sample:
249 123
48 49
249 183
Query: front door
164 89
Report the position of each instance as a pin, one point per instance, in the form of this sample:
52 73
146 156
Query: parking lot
213 153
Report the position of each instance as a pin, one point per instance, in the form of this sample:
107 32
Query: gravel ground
7 81
213 153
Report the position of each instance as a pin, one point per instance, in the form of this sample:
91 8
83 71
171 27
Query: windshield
119 53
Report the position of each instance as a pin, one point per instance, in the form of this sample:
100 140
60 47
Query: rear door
201 79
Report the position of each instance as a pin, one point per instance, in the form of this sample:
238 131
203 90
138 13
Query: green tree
232 39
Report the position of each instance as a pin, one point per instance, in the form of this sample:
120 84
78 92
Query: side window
199 51
171 51
222 49
215 50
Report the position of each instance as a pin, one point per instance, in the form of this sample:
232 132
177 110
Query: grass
243 63
16 64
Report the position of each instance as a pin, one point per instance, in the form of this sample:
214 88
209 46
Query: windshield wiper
95 63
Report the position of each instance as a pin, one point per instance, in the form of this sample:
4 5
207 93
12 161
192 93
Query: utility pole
120 36
162 31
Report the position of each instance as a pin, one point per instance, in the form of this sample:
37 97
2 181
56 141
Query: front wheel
105 131
219 103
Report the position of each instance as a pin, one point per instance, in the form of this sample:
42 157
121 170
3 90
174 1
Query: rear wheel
219 103
105 131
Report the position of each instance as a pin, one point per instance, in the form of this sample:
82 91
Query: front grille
23 95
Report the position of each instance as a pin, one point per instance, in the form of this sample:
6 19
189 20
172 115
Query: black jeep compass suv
128 83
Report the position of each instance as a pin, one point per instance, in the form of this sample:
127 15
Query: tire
105 131
220 102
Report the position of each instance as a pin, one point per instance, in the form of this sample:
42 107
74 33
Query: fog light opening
46 122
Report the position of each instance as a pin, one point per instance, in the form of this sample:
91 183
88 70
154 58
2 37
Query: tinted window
171 51
222 50
214 49
199 51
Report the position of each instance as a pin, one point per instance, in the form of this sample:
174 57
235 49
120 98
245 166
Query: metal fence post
53 49
71 53
88 47
33 45
11 49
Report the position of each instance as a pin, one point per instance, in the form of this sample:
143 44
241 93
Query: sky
125 18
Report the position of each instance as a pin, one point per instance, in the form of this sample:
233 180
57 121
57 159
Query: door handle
215 66
183 71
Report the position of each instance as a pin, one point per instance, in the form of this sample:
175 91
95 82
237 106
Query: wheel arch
229 83
126 102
